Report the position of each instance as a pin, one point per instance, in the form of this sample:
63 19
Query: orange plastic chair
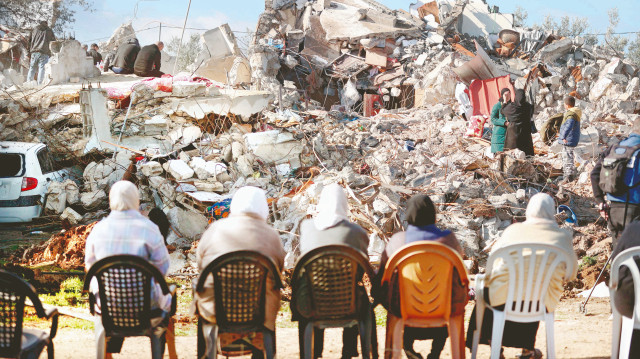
425 272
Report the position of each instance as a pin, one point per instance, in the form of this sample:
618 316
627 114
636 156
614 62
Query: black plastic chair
15 341
331 274
239 285
125 287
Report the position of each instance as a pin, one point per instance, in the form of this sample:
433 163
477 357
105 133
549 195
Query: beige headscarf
250 200
332 207
541 209
124 196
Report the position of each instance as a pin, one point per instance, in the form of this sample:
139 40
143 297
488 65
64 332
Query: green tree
616 42
25 14
520 16
188 53
634 50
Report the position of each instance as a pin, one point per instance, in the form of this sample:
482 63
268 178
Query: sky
242 15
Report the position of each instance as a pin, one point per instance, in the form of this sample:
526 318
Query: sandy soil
577 336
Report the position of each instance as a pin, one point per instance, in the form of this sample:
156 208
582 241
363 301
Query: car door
50 171
12 168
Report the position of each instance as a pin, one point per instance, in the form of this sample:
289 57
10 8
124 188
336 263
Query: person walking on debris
40 38
126 56
421 219
97 57
149 61
246 228
518 114
540 227
127 231
569 136
499 122
616 179
330 226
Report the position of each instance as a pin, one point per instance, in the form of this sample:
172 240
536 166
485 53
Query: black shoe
412 354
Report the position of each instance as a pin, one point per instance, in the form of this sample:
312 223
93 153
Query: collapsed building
387 102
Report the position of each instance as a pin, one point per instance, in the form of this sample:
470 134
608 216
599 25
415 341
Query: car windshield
11 164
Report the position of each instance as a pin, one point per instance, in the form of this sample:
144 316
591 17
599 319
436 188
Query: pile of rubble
347 91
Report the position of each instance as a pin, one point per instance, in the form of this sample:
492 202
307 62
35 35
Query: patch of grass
31 320
283 320
381 316
588 262
70 295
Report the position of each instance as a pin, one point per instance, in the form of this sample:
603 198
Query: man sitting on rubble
97 57
148 61
126 57
621 160
127 231
108 59
40 38
569 136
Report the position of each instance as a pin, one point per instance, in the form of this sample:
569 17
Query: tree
188 53
569 27
615 42
520 16
634 50
25 14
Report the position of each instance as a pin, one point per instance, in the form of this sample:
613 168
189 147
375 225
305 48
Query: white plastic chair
523 293
622 326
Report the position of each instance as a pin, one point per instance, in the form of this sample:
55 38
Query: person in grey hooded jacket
39 41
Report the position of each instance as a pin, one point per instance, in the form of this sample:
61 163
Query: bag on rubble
612 174
551 128
476 126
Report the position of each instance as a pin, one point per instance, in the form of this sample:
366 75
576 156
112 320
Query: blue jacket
632 174
570 128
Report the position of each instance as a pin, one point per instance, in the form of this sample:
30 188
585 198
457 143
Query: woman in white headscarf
246 228
539 227
331 226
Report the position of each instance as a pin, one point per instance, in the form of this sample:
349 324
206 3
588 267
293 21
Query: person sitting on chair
127 231
421 219
332 226
539 227
246 228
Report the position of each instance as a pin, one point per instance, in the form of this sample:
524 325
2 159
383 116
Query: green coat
499 128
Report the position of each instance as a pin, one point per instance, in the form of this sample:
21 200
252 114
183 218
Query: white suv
26 170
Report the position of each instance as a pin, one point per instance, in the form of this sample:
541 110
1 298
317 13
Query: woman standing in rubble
518 114
499 122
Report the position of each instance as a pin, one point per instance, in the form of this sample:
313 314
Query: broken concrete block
188 89
72 190
56 197
555 50
599 88
70 61
157 125
151 168
275 146
190 134
180 170
188 224
209 186
177 261
237 150
72 216
93 199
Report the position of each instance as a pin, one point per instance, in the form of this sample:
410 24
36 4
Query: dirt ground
577 336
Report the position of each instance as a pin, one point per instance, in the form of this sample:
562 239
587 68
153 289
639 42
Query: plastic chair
15 341
240 282
125 286
332 274
623 327
526 295
424 274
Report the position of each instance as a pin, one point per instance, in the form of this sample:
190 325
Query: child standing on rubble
499 122
569 136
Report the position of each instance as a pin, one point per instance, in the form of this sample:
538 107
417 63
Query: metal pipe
181 38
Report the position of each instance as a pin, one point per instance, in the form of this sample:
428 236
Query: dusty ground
577 337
